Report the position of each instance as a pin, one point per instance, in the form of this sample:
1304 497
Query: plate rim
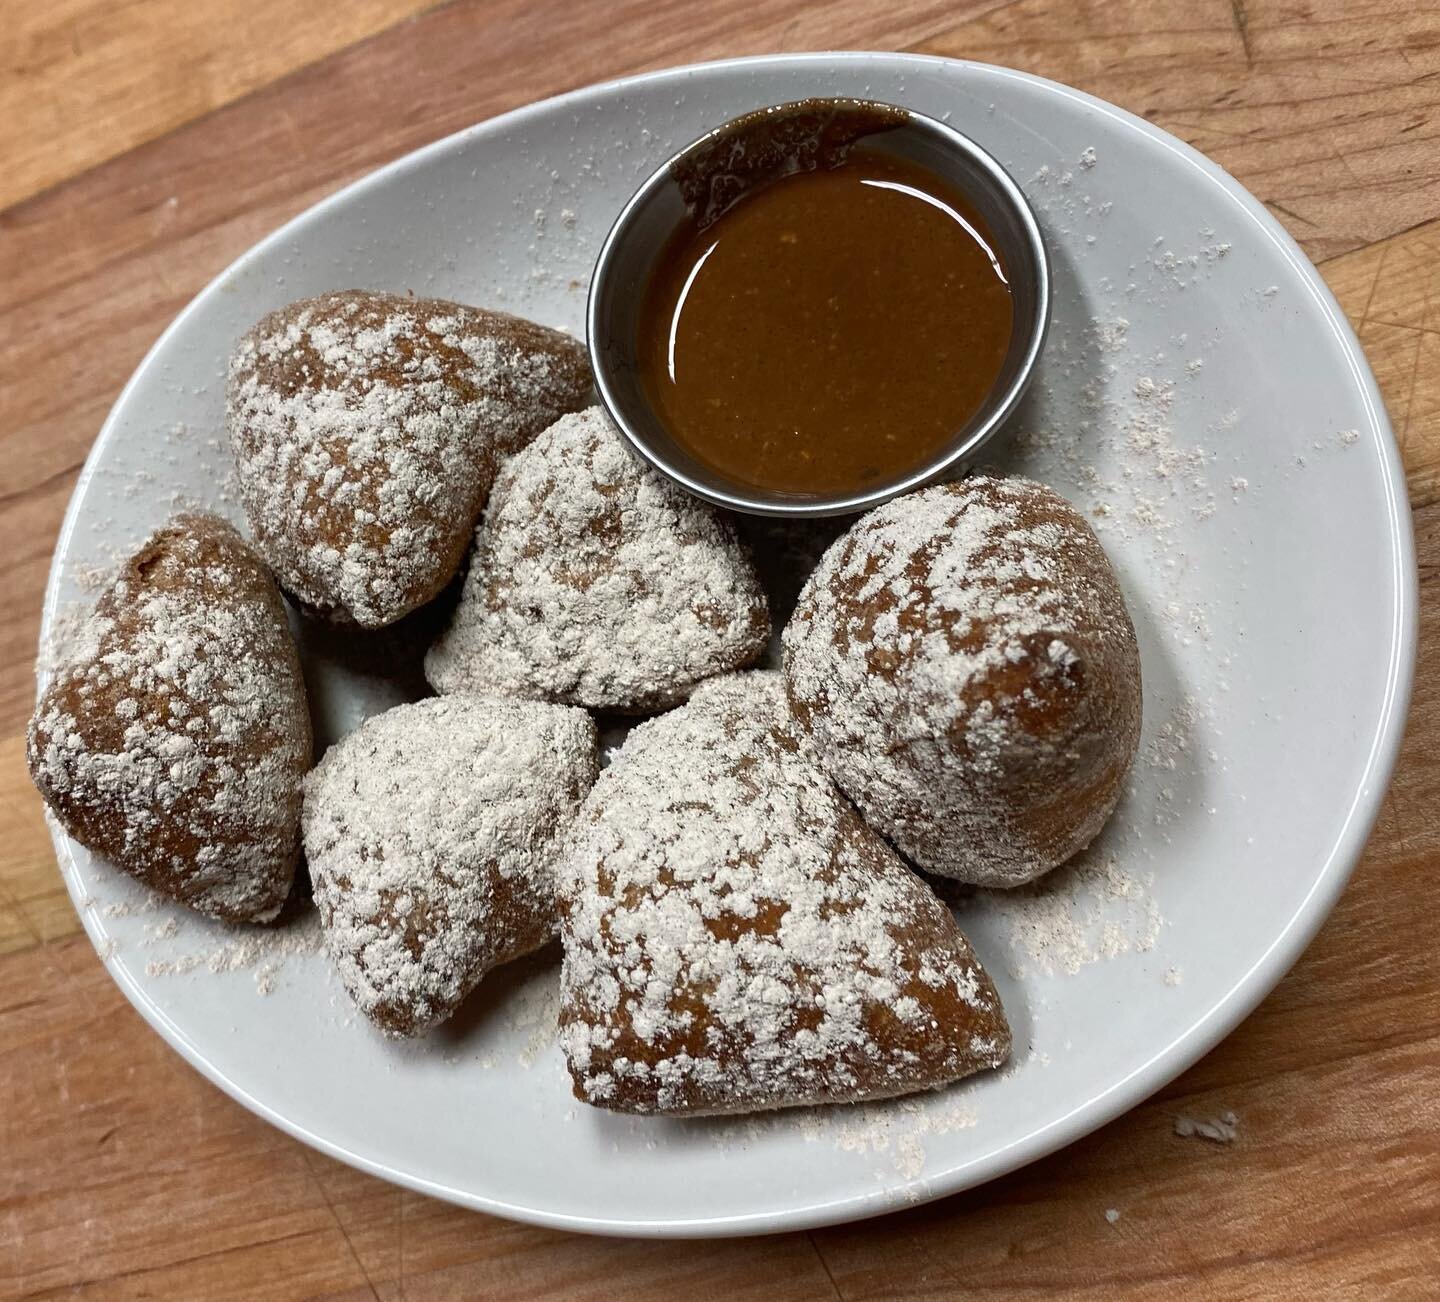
1169 1061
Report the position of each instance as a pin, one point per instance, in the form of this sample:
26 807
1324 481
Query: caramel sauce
827 328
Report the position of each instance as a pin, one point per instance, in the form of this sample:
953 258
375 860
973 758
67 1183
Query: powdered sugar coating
367 429
174 740
736 938
965 664
430 833
597 582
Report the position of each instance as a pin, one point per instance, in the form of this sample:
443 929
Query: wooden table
147 144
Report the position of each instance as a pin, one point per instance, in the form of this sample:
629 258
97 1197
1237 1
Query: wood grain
125 1174
1388 292
34 905
1330 113
82 81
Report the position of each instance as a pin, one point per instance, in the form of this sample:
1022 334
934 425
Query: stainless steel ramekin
657 210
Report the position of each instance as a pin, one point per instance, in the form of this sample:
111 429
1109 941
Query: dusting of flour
430 832
367 429
736 938
597 582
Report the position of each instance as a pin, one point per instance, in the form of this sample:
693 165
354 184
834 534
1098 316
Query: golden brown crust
966 666
367 430
597 582
174 744
431 832
736 938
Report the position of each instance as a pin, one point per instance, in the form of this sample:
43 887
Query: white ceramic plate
1201 396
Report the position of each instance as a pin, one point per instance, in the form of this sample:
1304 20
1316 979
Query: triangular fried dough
367 429
175 740
736 938
597 582
430 833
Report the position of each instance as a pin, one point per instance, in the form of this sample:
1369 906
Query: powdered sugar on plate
893 1134
1089 910
264 951
526 1027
